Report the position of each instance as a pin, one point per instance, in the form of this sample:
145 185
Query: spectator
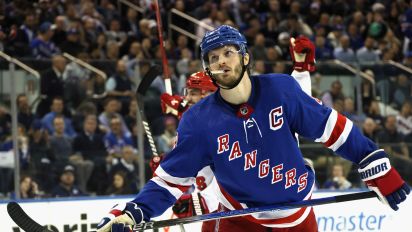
127 164
166 141
259 68
20 44
5 123
209 19
367 90
135 52
129 24
60 31
114 33
338 179
62 148
402 91
283 45
57 110
51 84
66 186
404 119
350 112
343 52
112 50
85 108
258 49
89 145
130 119
367 53
98 48
119 185
24 115
374 112
313 15
356 41
72 43
42 157
42 46
391 140
181 44
111 108
28 188
120 86
369 129
334 93
394 143
323 50
116 139
77 82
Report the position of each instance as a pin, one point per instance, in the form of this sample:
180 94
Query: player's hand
379 176
302 51
175 104
190 205
120 216
154 162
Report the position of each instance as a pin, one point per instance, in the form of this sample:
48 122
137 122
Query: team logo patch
244 111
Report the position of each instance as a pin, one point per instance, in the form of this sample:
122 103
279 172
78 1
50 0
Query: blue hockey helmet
221 36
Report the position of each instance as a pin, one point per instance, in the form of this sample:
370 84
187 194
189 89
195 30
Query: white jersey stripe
174 191
342 138
174 180
330 125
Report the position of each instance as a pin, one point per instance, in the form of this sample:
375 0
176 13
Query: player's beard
230 78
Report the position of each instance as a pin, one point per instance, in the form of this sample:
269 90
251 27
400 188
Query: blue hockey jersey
256 159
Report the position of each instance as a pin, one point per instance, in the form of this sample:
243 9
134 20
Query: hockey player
245 132
198 86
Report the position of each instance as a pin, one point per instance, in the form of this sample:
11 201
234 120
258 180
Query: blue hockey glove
120 216
379 176
120 227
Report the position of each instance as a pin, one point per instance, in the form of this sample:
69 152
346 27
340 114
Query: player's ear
246 59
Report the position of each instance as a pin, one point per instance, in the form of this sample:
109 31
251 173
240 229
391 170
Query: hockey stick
23 220
141 90
26 223
166 71
242 212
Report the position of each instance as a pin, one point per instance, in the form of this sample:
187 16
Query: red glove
154 162
175 104
379 176
190 205
302 51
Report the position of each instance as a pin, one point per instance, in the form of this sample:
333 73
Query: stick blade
148 78
22 219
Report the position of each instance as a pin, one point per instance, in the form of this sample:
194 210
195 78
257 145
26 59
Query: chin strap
244 68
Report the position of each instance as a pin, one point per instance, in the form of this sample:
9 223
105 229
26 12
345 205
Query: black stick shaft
242 212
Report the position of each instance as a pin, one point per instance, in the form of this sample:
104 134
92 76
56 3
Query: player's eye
213 59
229 53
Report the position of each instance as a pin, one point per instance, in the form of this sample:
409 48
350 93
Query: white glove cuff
375 169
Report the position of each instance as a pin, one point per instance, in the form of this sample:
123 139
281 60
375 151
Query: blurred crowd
73 143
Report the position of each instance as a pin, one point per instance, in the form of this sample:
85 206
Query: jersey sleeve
303 78
176 173
312 120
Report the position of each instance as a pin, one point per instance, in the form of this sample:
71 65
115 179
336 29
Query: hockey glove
190 205
154 162
302 51
175 104
121 215
120 227
377 173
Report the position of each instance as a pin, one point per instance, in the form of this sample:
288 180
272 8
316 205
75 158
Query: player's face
226 58
193 96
